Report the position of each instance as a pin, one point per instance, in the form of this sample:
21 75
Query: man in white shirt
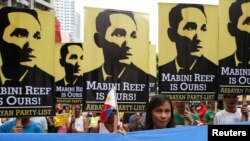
77 123
231 113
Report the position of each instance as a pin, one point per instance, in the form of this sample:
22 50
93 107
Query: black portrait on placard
239 28
116 40
23 82
71 59
187 32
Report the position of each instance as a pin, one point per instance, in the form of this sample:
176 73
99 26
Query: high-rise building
47 5
77 37
65 13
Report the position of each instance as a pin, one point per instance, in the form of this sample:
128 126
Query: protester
231 113
126 117
63 127
67 109
136 121
27 126
183 116
108 126
159 113
41 121
77 124
93 119
209 115
3 120
201 111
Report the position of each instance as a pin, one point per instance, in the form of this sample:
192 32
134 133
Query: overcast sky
145 6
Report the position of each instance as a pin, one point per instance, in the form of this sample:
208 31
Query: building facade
66 14
47 5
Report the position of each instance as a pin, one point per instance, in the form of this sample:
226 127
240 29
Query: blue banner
194 133
171 134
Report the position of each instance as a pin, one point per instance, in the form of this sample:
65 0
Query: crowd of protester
160 113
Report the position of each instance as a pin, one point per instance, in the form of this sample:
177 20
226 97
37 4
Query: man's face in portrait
120 38
242 36
74 60
190 32
21 38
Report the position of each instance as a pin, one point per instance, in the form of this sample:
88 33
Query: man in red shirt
201 111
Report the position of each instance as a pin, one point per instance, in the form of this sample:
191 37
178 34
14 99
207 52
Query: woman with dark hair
159 113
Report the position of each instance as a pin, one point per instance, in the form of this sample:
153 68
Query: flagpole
117 108
116 114
110 106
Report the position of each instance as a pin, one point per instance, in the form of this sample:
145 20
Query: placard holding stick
186 110
115 121
73 115
18 121
244 104
215 106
